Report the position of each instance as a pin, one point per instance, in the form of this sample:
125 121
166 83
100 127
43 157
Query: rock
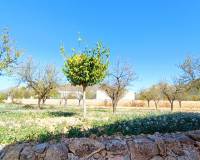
2 151
183 139
27 153
142 149
119 157
158 139
176 146
84 146
13 152
40 148
194 136
157 158
56 152
190 153
170 158
116 147
71 156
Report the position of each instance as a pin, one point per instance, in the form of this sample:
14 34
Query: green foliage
3 96
88 67
21 92
28 106
145 95
55 123
54 93
8 53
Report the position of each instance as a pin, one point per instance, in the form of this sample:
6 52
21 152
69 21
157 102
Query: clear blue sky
153 35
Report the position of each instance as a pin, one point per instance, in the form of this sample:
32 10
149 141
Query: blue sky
154 36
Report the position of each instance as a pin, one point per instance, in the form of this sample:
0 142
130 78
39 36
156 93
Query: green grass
21 124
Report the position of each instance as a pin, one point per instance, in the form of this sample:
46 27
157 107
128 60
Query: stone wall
177 146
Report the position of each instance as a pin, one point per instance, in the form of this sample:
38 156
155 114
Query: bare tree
118 80
190 76
41 80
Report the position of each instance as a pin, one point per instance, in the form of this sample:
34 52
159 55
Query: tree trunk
156 105
65 105
84 104
172 105
12 100
180 103
39 102
114 106
79 102
148 102
43 100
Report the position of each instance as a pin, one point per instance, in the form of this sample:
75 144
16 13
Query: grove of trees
88 67
185 87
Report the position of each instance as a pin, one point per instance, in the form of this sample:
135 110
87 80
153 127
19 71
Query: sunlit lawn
20 124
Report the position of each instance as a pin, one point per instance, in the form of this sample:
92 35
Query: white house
100 95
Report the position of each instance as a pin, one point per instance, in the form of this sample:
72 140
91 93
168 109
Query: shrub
3 97
28 106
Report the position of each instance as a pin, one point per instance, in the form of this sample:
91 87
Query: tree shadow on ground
61 114
165 123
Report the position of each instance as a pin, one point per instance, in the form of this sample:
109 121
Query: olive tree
9 54
145 95
119 78
182 91
156 94
87 67
15 93
42 80
170 92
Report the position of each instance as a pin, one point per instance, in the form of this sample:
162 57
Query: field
23 123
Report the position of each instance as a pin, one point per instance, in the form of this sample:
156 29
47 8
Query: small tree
8 53
41 80
170 92
15 93
118 80
190 76
181 92
145 95
156 94
87 68
3 96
